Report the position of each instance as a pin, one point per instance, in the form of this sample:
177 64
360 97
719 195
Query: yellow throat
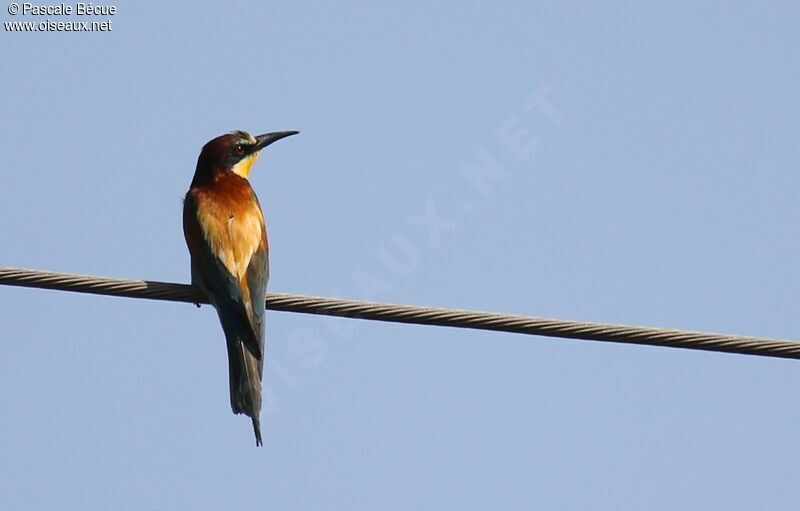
243 167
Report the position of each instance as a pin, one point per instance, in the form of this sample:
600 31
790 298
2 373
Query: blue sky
643 163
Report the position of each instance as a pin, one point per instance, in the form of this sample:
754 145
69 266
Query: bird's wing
215 263
257 279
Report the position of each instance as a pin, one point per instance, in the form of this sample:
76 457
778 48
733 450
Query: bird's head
235 152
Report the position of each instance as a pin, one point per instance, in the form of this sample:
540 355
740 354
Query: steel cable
413 314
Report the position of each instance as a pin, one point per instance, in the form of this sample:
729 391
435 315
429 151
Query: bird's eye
238 149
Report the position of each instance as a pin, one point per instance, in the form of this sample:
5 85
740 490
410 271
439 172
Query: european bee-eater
224 229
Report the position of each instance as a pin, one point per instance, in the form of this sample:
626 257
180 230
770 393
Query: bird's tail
244 374
245 384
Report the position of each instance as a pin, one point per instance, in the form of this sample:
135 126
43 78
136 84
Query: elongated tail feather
257 431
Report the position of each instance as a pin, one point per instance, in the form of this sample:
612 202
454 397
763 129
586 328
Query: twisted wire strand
413 314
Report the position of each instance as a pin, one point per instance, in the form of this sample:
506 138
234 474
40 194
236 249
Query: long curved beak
266 139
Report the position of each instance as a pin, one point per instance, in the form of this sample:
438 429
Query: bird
224 228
